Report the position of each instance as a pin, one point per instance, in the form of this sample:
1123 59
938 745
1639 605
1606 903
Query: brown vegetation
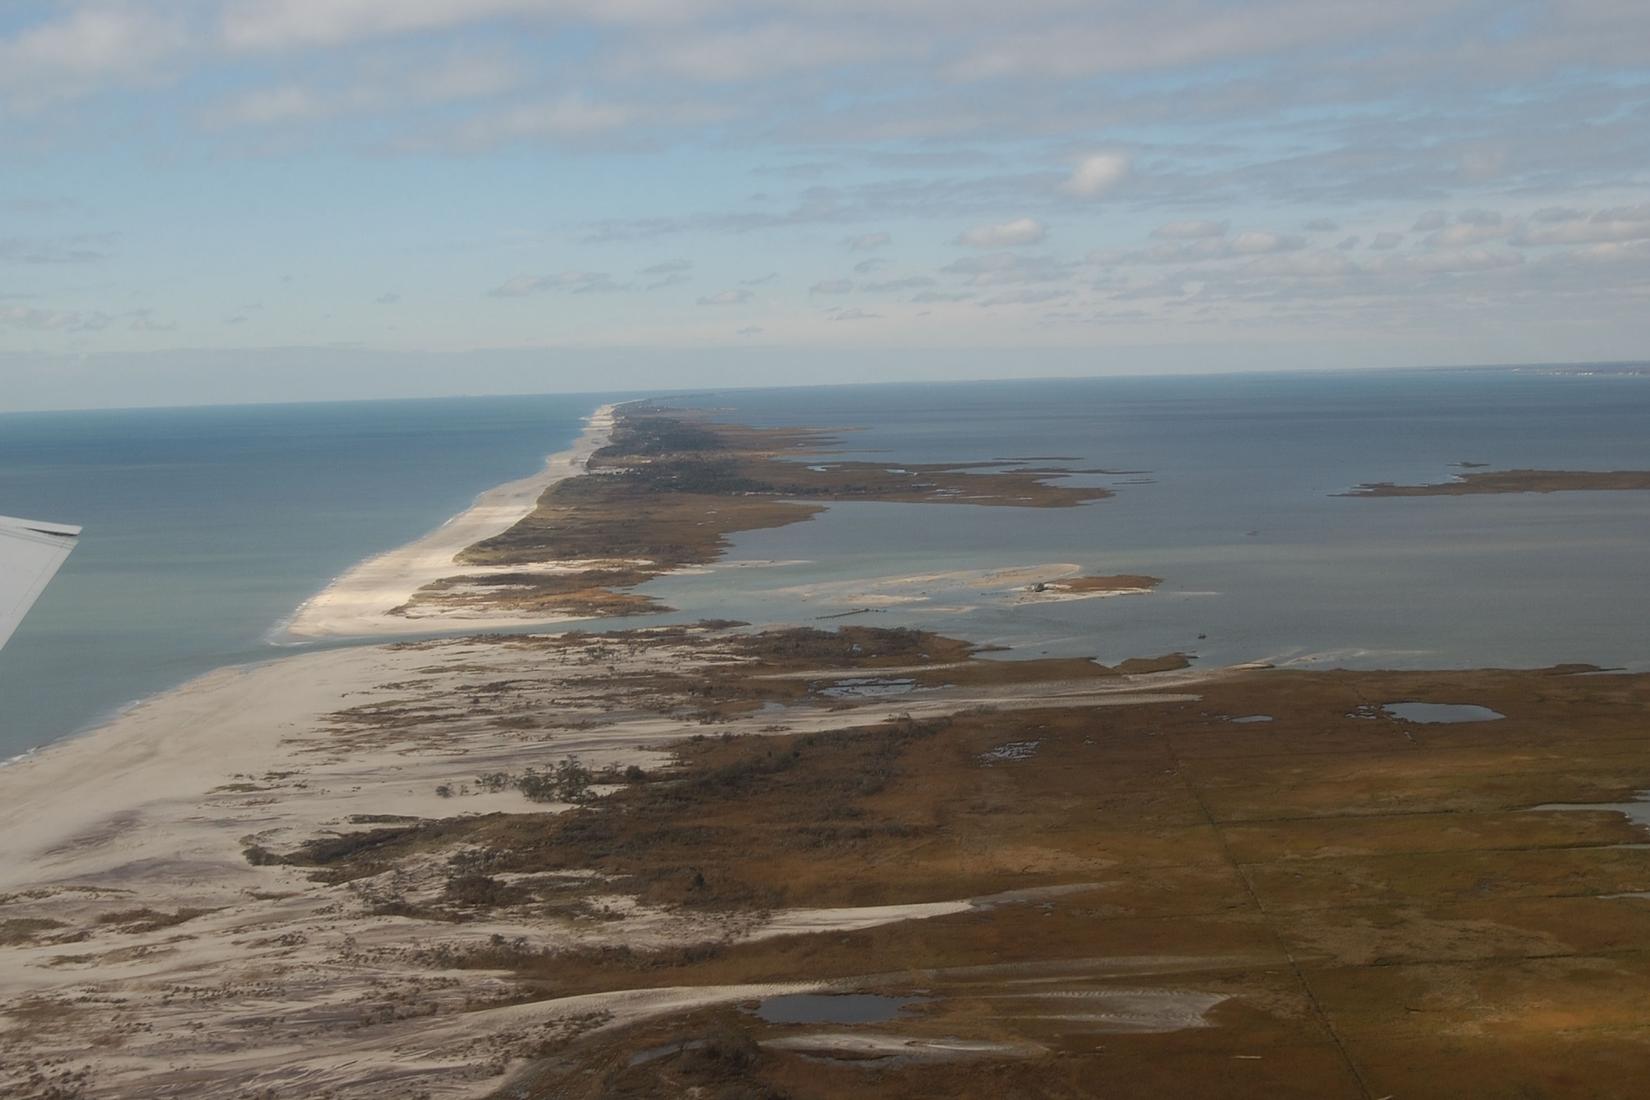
670 488
1374 898
1512 481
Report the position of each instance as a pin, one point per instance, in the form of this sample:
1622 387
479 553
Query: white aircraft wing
30 553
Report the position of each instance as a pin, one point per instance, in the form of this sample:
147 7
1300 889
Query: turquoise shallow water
206 527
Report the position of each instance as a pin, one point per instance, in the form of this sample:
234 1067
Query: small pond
1637 811
1434 713
833 1008
867 687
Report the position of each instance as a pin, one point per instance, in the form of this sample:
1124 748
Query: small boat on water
30 554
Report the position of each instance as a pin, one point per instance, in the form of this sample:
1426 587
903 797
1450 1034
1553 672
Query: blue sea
206 527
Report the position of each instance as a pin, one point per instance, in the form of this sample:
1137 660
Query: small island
1512 481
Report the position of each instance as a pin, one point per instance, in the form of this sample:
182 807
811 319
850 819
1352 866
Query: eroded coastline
536 866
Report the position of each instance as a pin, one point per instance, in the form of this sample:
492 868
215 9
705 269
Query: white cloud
1639 213
1468 259
266 106
910 282
1204 248
726 298
144 320
35 319
1466 233
1095 175
85 50
379 87
1001 268
1558 214
1190 230
832 286
1146 36
1622 223
79 249
1307 265
568 117
1483 162
865 242
1610 252
734 55
574 282
1386 240
1432 219
1012 234
1023 297
283 24
1257 243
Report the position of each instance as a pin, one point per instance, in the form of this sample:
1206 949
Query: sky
221 200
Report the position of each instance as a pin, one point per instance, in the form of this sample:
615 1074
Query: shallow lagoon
1239 516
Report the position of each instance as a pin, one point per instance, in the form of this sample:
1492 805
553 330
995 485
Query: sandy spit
360 602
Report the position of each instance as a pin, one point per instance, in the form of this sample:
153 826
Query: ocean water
206 527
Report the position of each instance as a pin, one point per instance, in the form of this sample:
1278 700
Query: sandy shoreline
360 602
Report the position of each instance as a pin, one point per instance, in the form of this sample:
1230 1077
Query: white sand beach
362 602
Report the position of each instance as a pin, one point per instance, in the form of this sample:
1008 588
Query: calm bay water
1239 517
206 527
